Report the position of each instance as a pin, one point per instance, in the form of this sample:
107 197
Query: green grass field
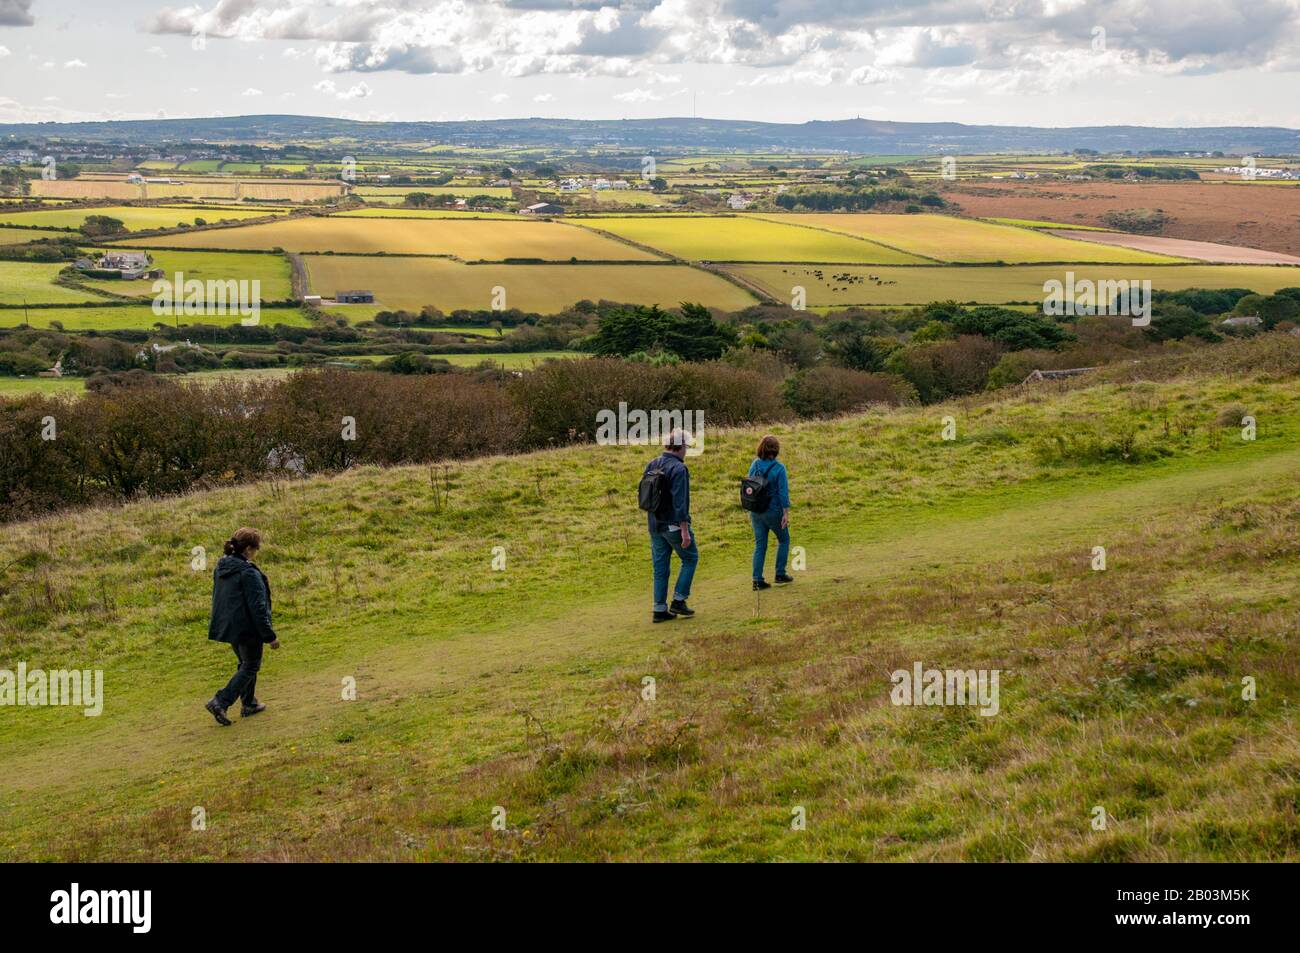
509 361
33 283
706 238
271 270
135 218
993 284
471 240
945 238
19 386
136 317
525 689
412 283
21 236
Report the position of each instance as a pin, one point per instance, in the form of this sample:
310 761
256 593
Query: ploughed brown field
1181 247
1253 215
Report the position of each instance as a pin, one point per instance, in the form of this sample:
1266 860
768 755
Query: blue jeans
662 545
764 523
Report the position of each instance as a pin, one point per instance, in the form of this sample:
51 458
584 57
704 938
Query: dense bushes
825 391
42 250
118 442
1145 221
561 398
136 434
690 333
852 197
947 368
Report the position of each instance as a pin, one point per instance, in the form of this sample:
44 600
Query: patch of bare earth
1182 247
1251 216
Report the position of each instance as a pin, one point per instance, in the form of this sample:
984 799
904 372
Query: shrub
96 225
411 362
946 368
137 434
826 391
1082 444
1145 221
1230 416
560 400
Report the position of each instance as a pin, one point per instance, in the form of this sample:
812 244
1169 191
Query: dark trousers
243 683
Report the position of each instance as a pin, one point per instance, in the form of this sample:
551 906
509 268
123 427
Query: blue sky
1028 62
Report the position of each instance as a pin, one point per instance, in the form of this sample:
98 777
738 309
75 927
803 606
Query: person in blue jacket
670 530
241 617
777 518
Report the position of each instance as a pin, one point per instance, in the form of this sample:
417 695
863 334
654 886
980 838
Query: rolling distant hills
852 135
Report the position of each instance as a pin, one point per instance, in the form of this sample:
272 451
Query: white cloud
871 76
500 97
528 37
543 98
329 88
74 64
157 51
251 92
638 96
4 51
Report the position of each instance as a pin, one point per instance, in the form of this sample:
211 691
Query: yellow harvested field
945 238
86 189
470 240
186 187
995 284
289 191
21 236
747 238
423 213
134 217
412 283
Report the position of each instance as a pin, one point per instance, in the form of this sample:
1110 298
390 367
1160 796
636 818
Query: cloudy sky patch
1042 62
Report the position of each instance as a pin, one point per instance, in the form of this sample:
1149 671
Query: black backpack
755 494
650 491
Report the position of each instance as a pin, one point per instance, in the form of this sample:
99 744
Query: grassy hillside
523 689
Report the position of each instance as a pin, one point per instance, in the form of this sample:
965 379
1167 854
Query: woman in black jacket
241 617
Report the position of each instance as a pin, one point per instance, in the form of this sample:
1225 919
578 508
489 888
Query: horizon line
647 119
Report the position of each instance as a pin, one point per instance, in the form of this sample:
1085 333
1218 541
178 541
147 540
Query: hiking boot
214 708
679 607
761 584
663 617
252 709
784 578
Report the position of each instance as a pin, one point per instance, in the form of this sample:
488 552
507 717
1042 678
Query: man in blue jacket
670 530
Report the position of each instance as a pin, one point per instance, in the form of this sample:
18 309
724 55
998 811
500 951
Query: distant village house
128 265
